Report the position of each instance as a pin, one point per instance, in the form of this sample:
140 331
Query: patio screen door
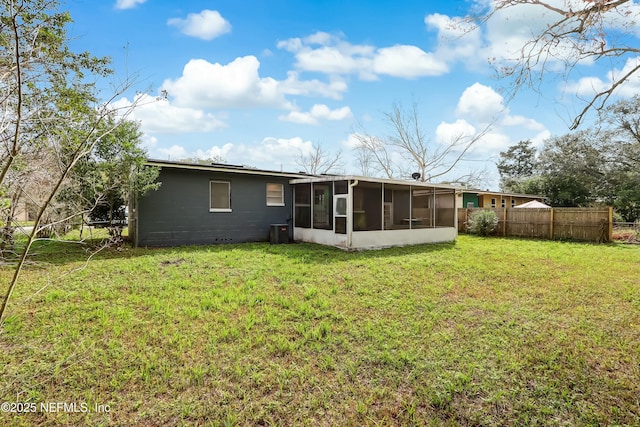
340 213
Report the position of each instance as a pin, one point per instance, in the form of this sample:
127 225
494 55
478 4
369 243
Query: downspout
350 214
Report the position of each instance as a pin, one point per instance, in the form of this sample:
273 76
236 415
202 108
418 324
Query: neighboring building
208 204
353 212
492 199
534 204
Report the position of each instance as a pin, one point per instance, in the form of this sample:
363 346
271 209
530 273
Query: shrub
482 222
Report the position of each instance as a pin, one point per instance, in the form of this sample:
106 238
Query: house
208 204
352 212
470 198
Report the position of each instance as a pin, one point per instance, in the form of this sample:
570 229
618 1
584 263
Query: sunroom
353 212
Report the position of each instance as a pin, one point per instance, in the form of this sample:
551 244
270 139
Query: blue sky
259 82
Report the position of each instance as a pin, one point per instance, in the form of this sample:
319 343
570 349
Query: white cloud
492 143
522 121
448 133
149 142
330 54
481 113
590 86
352 141
512 28
294 86
205 25
270 153
214 152
160 116
299 117
481 103
501 39
234 85
323 112
175 152
273 148
128 4
458 39
407 62
624 18
318 112
178 152
539 139
239 85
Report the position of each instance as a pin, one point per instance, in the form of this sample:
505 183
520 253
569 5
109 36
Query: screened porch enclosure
348 207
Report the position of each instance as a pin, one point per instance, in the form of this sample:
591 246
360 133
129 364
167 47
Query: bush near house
482 222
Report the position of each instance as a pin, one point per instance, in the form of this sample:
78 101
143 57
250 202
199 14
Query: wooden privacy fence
588 224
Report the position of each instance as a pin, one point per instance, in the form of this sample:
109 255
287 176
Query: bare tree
365 162
579 31
373 155
474 178
319 160
408 150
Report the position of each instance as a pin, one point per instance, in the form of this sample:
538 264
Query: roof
329 178
297 178
533 204
221 167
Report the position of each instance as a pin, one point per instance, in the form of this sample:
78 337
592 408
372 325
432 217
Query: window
340 213
275 195
340 205
493 203
421 209
503 203
445 208
219 196
513 203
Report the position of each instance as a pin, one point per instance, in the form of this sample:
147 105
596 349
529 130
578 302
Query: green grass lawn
480 332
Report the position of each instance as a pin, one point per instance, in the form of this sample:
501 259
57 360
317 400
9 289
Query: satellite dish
415 176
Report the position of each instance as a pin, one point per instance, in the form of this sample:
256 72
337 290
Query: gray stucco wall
178 212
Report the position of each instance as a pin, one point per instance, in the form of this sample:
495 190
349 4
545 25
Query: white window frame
493 202
503 203
228 194
337 197
281 202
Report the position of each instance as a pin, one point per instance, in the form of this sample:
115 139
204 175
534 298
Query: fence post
504 222
610 224
551 224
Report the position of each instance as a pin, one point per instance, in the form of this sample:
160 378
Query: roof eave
222 168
